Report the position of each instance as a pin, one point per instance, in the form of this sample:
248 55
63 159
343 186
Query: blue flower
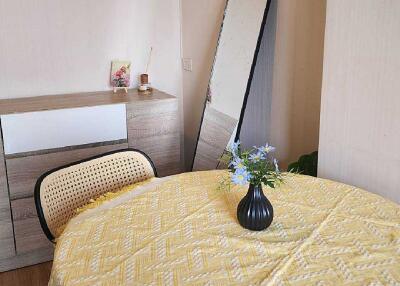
257 157
266 149
241 177
238 163
234 147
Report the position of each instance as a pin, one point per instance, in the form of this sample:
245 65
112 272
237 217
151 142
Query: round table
182 230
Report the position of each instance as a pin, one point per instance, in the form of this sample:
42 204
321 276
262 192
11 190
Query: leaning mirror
230 80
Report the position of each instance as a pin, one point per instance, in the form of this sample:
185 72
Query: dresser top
76 100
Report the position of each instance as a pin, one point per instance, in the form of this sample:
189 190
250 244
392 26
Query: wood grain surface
24 171
36 275
154 129
22 260
29 235
7 247
216 131
74 100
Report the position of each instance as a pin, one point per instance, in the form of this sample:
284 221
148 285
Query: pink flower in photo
120 75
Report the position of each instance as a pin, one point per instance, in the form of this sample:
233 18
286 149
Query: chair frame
39 181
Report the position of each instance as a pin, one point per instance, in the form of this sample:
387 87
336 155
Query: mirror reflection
230 79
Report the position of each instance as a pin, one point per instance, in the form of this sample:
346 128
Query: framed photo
120 74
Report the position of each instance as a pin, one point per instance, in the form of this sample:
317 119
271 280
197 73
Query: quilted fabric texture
183 231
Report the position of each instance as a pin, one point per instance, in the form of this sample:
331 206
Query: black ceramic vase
255 211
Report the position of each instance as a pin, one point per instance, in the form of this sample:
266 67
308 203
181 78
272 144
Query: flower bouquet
120 74
255 167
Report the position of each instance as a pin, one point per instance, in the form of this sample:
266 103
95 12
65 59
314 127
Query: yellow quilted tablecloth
183 230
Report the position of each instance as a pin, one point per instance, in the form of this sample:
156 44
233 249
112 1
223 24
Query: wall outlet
187 64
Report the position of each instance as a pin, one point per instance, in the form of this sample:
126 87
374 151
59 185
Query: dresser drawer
153 127
33 131
28 232
163 150
7 247
47 132
150 119
24 171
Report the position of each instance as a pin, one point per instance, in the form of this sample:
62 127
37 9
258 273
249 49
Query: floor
36 275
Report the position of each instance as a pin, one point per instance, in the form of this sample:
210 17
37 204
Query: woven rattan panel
65 190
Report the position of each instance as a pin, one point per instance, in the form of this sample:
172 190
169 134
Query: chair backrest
59 192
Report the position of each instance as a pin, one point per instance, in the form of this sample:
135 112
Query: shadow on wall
255 127
296 96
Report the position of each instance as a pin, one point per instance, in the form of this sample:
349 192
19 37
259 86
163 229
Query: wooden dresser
38 134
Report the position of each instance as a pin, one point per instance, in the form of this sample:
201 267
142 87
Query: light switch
187 64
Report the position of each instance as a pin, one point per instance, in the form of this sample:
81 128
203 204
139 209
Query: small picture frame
120 75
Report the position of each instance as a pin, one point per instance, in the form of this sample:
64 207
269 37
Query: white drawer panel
34 131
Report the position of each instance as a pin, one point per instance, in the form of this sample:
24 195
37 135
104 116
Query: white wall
360 116
55 46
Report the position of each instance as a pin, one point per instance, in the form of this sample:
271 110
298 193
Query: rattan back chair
61 191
